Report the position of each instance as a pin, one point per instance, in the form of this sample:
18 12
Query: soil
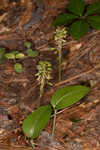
77 127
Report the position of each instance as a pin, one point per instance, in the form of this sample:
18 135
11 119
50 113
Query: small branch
77 76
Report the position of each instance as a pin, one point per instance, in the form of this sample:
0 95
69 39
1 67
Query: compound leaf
93 8
78 29
36 121
64 19
76 7
68 95
94 21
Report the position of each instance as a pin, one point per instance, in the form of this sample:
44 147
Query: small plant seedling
28 44
18 67
44 74
30 52
60 36
78 21
62 98
13 56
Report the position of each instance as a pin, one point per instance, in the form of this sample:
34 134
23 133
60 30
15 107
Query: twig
77 76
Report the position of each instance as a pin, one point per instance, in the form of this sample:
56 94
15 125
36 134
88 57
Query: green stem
54 123
60 60
42 86
41 89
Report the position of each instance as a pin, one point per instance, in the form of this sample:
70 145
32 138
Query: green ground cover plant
29 51
17 55
14 55
80 18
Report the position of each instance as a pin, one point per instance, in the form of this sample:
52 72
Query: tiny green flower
59 38
44 74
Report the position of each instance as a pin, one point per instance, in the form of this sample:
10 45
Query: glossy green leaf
68 95
94 21
10 56
78 29
18 67
64 19
27 44
76 7
20 56
37 121
32 53
93 8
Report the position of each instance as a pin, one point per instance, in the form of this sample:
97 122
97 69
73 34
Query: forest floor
19 92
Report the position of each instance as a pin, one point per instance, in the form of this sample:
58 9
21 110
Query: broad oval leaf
93 8
94 21
64 19
10 56
76 7
68 95
78 29
32 53
18 67
37 121
20 56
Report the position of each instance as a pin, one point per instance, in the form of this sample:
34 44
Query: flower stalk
44 75
60 36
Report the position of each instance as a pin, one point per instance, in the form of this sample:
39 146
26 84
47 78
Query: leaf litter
82 65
